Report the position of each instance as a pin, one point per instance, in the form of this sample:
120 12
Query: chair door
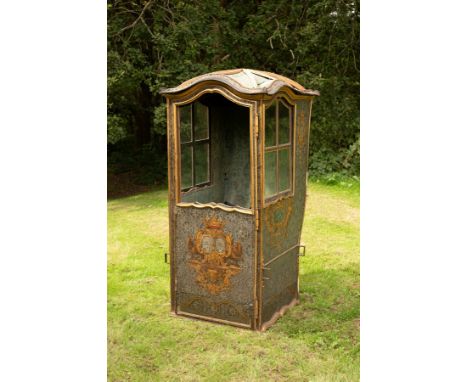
215 265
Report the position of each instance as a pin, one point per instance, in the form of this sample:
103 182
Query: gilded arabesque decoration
214 256
277 219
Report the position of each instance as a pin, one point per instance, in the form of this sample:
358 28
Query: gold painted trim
214 266
225 76
256 104
254 97
227 93
216 206
260 211
176 148
171 209
252 105
290 100
253 159
191 95
254 127
309 124
286 193
294 148
278 83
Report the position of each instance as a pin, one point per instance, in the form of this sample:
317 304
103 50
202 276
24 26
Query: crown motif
214 223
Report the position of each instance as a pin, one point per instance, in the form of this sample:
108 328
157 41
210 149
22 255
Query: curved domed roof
247 81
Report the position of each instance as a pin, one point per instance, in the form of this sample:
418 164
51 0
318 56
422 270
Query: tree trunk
143 116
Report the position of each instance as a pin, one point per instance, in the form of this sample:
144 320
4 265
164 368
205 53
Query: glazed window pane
201 120
201 163
186 166
284 169
284 123
270 174
185 118
278 140
270 126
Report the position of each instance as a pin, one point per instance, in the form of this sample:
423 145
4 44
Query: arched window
278 149
194 145
214 152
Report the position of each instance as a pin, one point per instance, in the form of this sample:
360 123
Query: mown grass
318 340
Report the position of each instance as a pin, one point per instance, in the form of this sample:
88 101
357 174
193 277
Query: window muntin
284 123
270 127
278 149
200 113
185 123
270 174
195 142
186 167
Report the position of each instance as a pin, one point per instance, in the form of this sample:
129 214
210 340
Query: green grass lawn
318 340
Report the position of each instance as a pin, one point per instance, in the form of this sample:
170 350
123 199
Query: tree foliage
154 44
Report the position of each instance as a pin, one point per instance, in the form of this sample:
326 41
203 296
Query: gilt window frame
193 142
278 195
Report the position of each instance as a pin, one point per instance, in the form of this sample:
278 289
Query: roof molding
246 81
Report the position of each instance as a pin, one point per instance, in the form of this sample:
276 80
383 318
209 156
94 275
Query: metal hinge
304 248
257 222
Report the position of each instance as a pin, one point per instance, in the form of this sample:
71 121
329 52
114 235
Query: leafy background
157 44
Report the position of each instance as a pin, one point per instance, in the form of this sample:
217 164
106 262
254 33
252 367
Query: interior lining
229 155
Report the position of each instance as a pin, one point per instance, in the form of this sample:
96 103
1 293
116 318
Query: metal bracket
304 252
165 258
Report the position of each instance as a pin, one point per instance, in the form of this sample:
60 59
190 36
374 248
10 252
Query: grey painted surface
230 158
240 294
281 287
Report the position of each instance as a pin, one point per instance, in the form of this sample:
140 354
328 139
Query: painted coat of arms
214 256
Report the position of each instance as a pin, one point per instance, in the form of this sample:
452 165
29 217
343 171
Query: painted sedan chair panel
236 210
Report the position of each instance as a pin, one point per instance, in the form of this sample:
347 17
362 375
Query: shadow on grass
329 309
123 185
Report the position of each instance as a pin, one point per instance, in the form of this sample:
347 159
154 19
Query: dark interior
229 155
